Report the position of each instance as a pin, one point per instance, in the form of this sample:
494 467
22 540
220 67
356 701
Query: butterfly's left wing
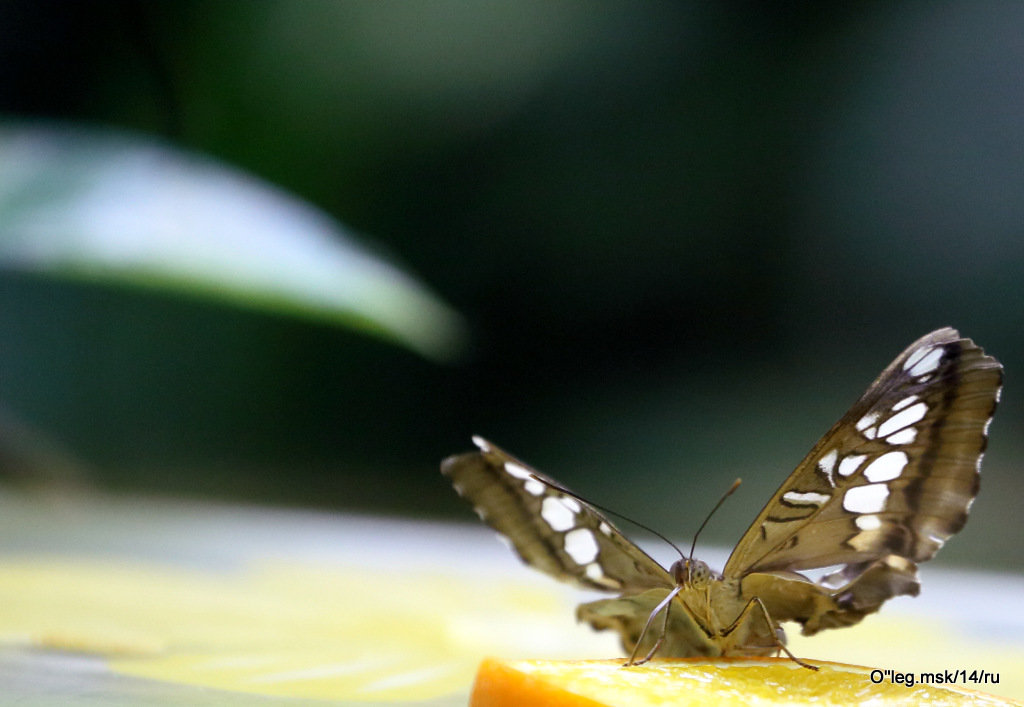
550 530
885 487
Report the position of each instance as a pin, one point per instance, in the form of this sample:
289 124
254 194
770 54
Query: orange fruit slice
719 681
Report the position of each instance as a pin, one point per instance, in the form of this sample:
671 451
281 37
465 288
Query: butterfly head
690 572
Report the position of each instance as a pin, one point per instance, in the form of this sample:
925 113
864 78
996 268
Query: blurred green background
681 237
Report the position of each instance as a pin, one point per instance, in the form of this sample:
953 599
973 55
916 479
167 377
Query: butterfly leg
661 636
755 602
665 604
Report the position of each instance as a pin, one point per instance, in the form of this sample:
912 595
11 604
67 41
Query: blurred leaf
110 207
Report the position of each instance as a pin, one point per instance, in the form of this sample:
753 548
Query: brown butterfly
880 492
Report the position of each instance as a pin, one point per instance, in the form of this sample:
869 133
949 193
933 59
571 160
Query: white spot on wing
903 436
518 471
886 468
827 465
866 421
534 487
850 464
809 498
556 514
481 443
928 363
909 400
828 462
605 528
581 546
866 499
572 503
596 574
868 522
910 416
867 539
915 357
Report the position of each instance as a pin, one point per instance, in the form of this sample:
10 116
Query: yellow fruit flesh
595 683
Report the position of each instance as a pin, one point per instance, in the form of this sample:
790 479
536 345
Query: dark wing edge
550 531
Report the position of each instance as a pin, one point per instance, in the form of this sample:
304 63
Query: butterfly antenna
572 494
735 485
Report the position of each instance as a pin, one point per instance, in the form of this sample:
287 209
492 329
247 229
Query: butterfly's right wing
894 477
550 530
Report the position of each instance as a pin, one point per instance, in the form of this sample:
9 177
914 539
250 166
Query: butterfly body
879 493
702 621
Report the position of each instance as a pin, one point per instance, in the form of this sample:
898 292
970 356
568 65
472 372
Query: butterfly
881 492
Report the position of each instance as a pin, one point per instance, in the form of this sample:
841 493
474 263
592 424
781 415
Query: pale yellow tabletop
128 601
